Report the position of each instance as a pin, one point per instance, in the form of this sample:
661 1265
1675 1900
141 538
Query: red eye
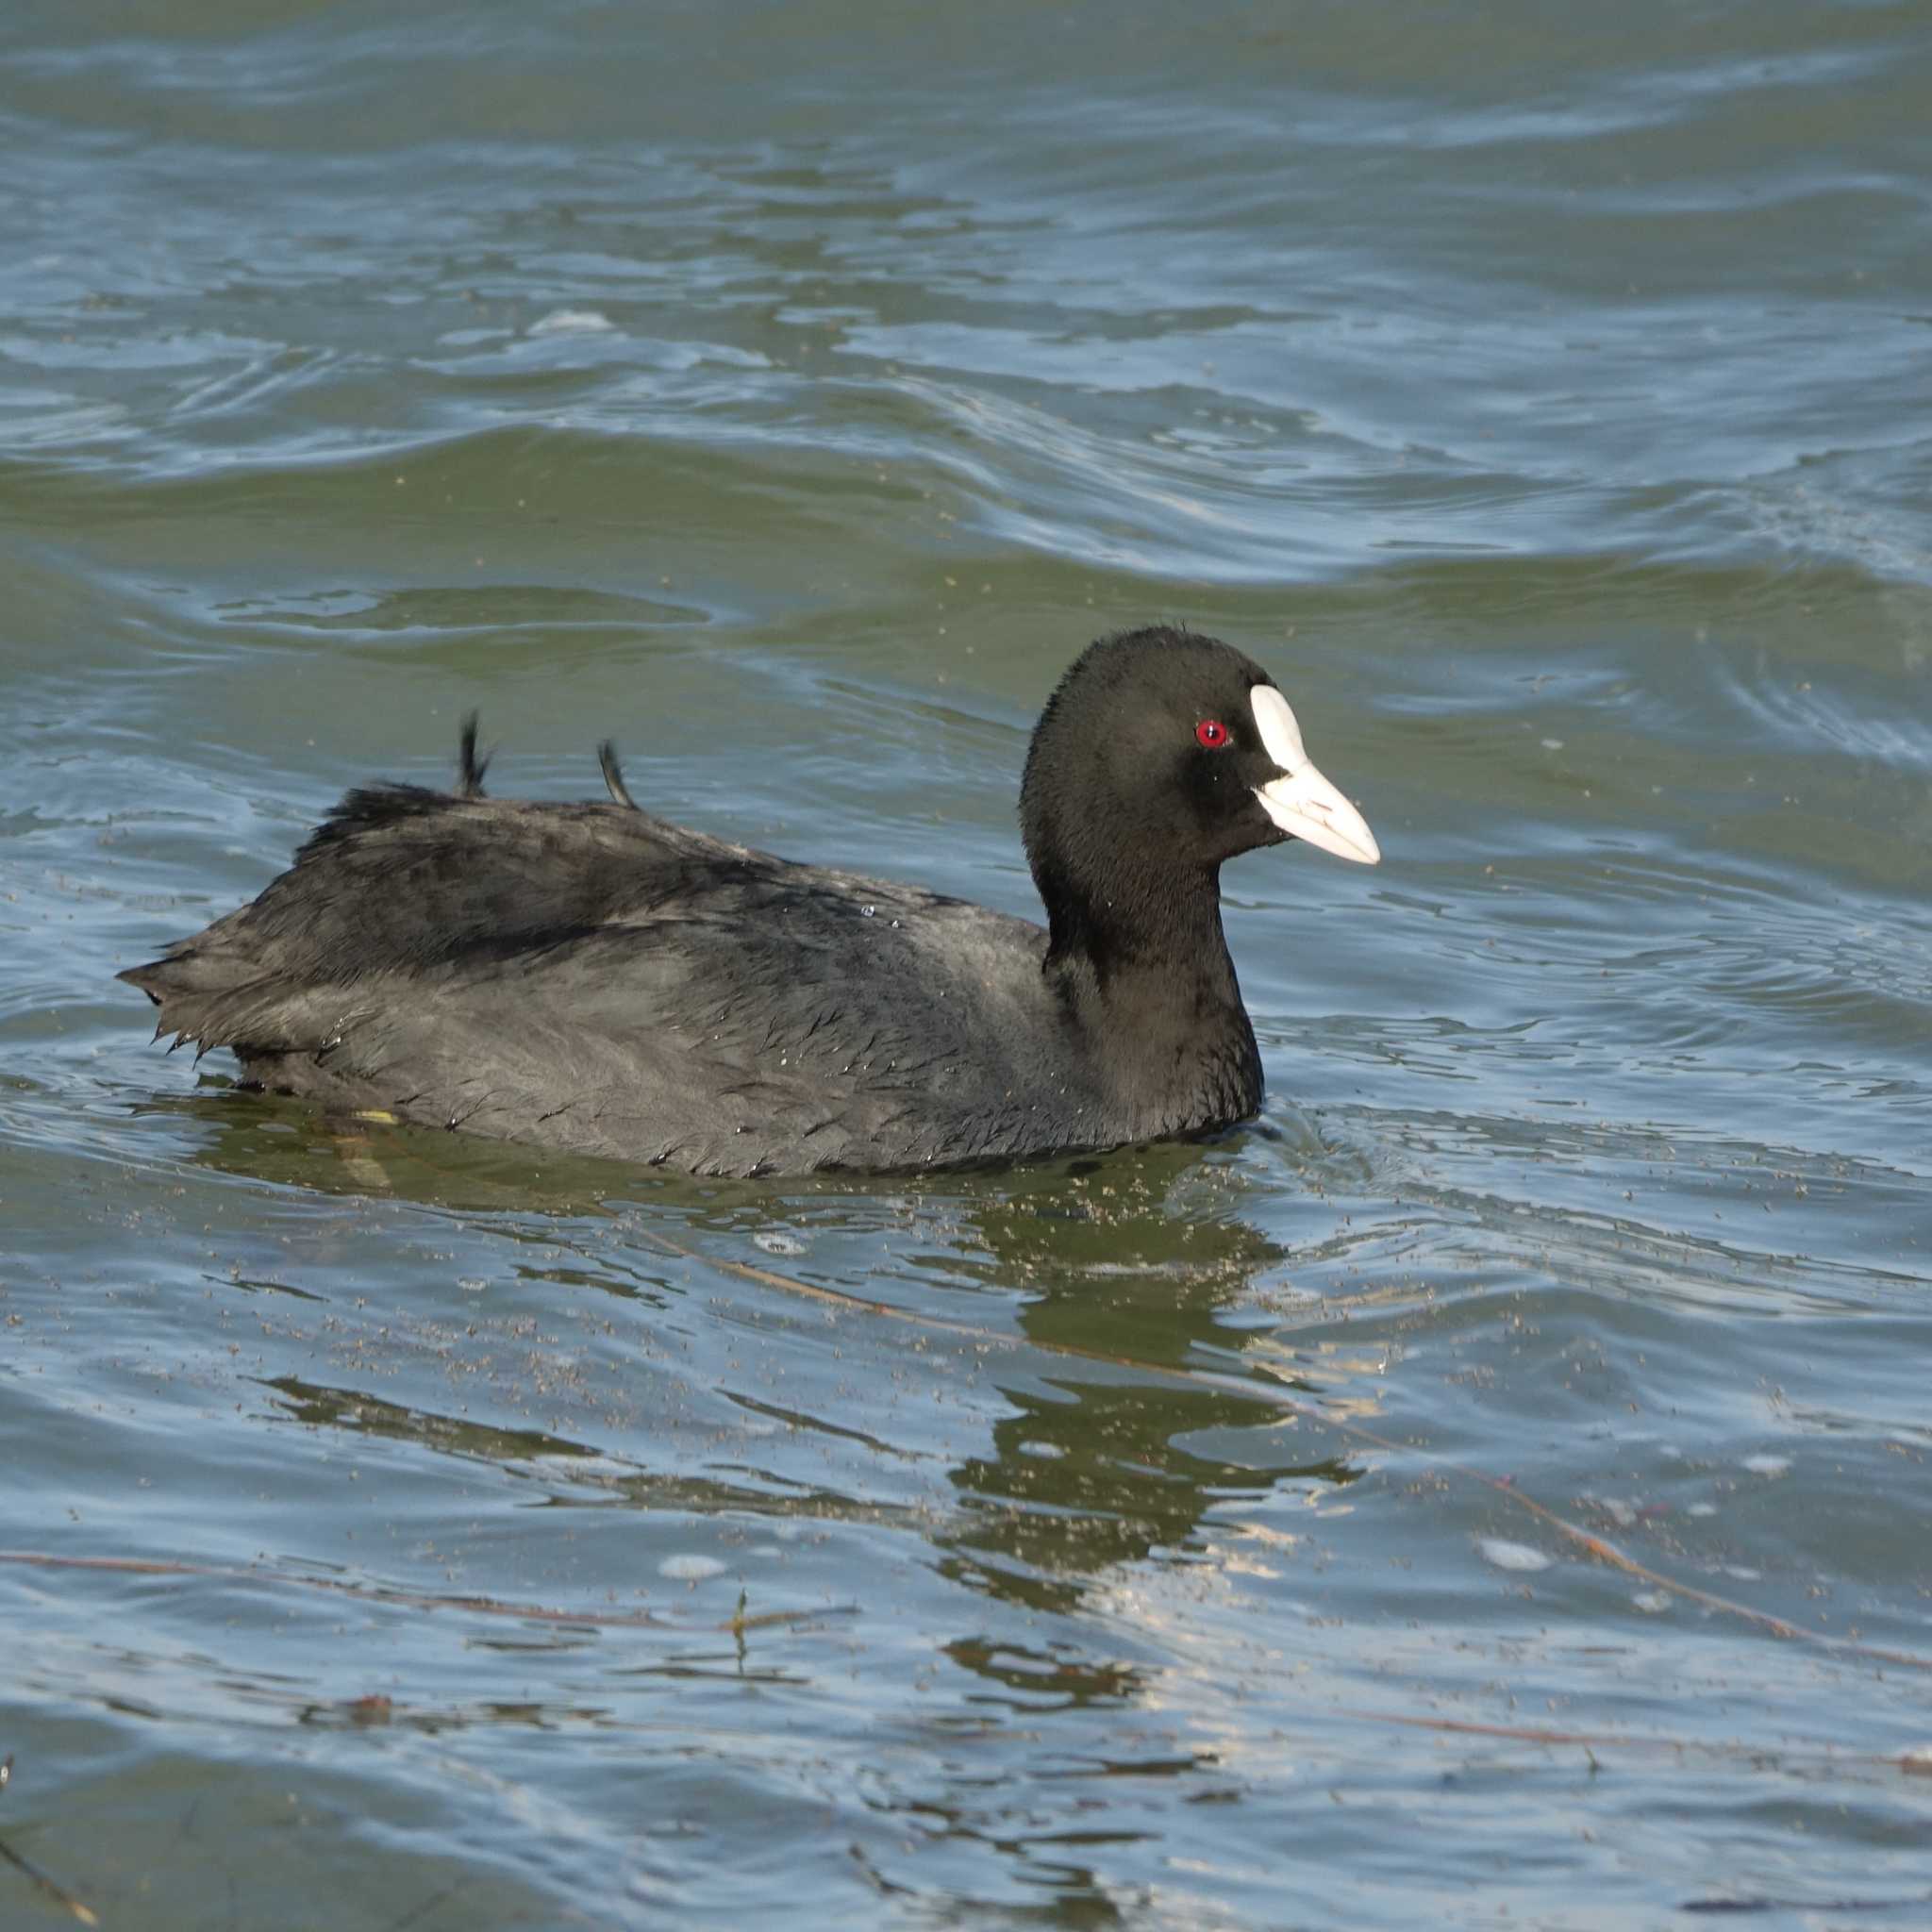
1210 734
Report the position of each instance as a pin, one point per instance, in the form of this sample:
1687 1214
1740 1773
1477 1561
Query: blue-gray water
1545 396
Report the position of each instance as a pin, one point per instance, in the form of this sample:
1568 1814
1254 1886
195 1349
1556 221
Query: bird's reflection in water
1139 1256
1130 1265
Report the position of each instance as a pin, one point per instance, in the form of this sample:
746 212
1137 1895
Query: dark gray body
590 978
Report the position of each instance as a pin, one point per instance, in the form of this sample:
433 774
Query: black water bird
587 977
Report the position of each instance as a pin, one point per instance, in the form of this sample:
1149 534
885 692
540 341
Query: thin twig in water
408 1600
47 1886
417 1914
1742 1906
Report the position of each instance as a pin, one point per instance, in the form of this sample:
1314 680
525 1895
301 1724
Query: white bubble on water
1508 1556
574 321
690 1568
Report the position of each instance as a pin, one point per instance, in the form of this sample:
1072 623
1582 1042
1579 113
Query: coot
587 977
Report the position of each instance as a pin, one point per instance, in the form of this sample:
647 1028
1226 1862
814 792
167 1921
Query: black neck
1144 972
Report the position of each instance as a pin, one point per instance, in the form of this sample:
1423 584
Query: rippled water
1493 1488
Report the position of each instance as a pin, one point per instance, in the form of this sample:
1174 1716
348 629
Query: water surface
407 1531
